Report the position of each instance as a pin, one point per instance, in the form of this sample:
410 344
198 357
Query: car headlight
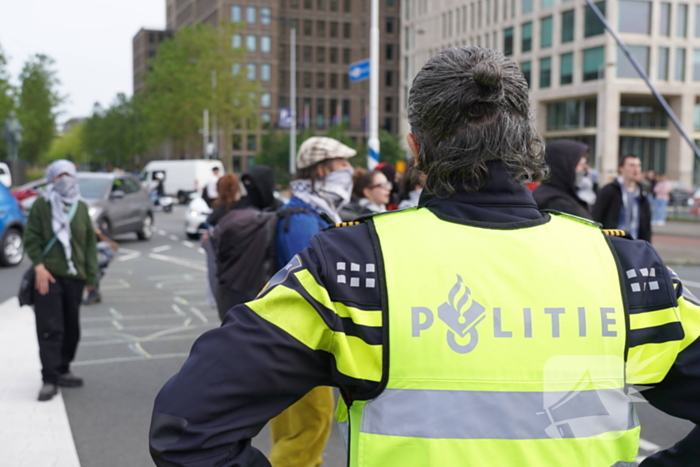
94 212
194 213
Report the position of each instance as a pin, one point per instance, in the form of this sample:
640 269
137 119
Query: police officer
472 330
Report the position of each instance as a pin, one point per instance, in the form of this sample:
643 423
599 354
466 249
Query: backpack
244 242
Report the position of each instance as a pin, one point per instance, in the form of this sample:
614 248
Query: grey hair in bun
468 107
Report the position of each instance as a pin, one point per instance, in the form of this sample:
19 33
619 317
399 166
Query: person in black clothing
623 204
566 159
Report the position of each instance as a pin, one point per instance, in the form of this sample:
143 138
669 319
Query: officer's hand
42 279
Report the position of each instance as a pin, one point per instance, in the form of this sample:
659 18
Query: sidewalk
678 243
32 433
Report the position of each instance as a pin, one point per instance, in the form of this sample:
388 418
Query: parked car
117 203
11 229
181 178
5 175
196 216
28 193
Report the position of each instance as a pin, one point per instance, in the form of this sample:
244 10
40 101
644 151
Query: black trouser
58 326
227 298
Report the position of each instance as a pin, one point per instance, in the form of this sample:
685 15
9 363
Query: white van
180 177
5 176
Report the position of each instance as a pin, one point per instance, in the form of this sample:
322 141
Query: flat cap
321 148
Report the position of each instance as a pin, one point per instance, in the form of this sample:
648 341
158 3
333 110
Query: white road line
117 325
161 249
125 359
135 346
180 262
691 283
201 250
173 238
180 300
162 232
120 285
116 314
188 244
199 314
649 446
178 311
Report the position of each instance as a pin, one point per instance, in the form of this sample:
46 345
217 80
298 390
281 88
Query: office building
145 46
582 86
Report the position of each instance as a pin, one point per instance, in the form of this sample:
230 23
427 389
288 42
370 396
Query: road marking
120 285
180 300
162 232
202 251
128 359
136 347
161 249
199 314
117 325
180 262
691 283
130 254
173 238
116 314
178 311
188 244
185 337
648 446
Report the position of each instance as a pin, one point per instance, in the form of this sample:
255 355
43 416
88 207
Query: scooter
165 203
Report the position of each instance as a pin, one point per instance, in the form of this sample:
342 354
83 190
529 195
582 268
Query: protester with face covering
566 160
62 271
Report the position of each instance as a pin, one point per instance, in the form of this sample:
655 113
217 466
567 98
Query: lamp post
373 137
292 99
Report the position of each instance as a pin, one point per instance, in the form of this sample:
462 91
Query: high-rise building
582 86
331 35
145 46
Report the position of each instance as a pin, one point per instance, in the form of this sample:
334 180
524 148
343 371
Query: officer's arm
241 375
678 393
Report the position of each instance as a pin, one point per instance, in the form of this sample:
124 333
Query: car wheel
12 251
147 228
105 226
193 236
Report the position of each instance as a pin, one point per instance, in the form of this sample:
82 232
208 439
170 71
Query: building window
547 3
265 72
235 14
527 6
347 30
265 44
567 26
566 69
236 161
346 81
389 51
389 79
250 42
346 111
652 151
592 25
525 68
333 81
294 3
236 142
321 28
236 41
663 63
321 5
308 4
265 16
624 65
320 54
634 17
388 104
665 20
250 71
546 32
527 37
508 42
390 25
642 113
307 79
308 27
696 65
321 80
320 113
334 5
570 114
682 20
252 143
235 69
593 60
334 29
346 56
250 15
680 64
265 100
333 55
545 72
347 6
307 53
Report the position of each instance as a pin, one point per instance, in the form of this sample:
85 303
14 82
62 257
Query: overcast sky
90 40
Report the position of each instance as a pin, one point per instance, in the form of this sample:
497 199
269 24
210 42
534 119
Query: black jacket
559 192
607 209
203 417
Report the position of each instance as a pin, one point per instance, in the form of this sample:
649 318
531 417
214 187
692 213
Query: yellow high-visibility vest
506 347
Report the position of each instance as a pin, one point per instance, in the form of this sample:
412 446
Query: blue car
11 229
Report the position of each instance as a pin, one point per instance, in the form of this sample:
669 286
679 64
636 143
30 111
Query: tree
7 100
67 146
196 70
38 100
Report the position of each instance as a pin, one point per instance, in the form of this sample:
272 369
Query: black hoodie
559 192
260 184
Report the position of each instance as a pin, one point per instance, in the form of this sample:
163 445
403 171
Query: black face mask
255 197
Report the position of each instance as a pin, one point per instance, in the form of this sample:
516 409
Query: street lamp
373 140
292 92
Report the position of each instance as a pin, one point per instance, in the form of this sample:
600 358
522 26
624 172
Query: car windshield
94 188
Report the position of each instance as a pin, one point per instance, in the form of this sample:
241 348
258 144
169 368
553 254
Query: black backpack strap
287 213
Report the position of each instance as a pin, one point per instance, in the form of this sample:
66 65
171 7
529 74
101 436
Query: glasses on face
386 185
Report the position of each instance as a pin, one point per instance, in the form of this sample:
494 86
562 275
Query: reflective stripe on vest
506 347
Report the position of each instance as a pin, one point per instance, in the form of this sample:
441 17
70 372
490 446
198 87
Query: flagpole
373 140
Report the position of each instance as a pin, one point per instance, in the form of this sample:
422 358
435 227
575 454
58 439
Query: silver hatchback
118 204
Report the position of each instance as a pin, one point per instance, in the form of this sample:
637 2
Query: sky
90 40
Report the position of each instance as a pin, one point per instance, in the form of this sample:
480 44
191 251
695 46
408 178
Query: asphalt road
154 306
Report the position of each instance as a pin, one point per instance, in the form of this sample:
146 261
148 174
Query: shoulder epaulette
345 224
617 233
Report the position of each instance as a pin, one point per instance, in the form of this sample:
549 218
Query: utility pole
205 134
215 126
373 140
293 99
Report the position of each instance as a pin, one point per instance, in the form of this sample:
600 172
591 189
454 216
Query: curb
682 262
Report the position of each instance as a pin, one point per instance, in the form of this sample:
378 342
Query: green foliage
7 101
67 146
38 100
191 73
390 148
35 173
113 136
